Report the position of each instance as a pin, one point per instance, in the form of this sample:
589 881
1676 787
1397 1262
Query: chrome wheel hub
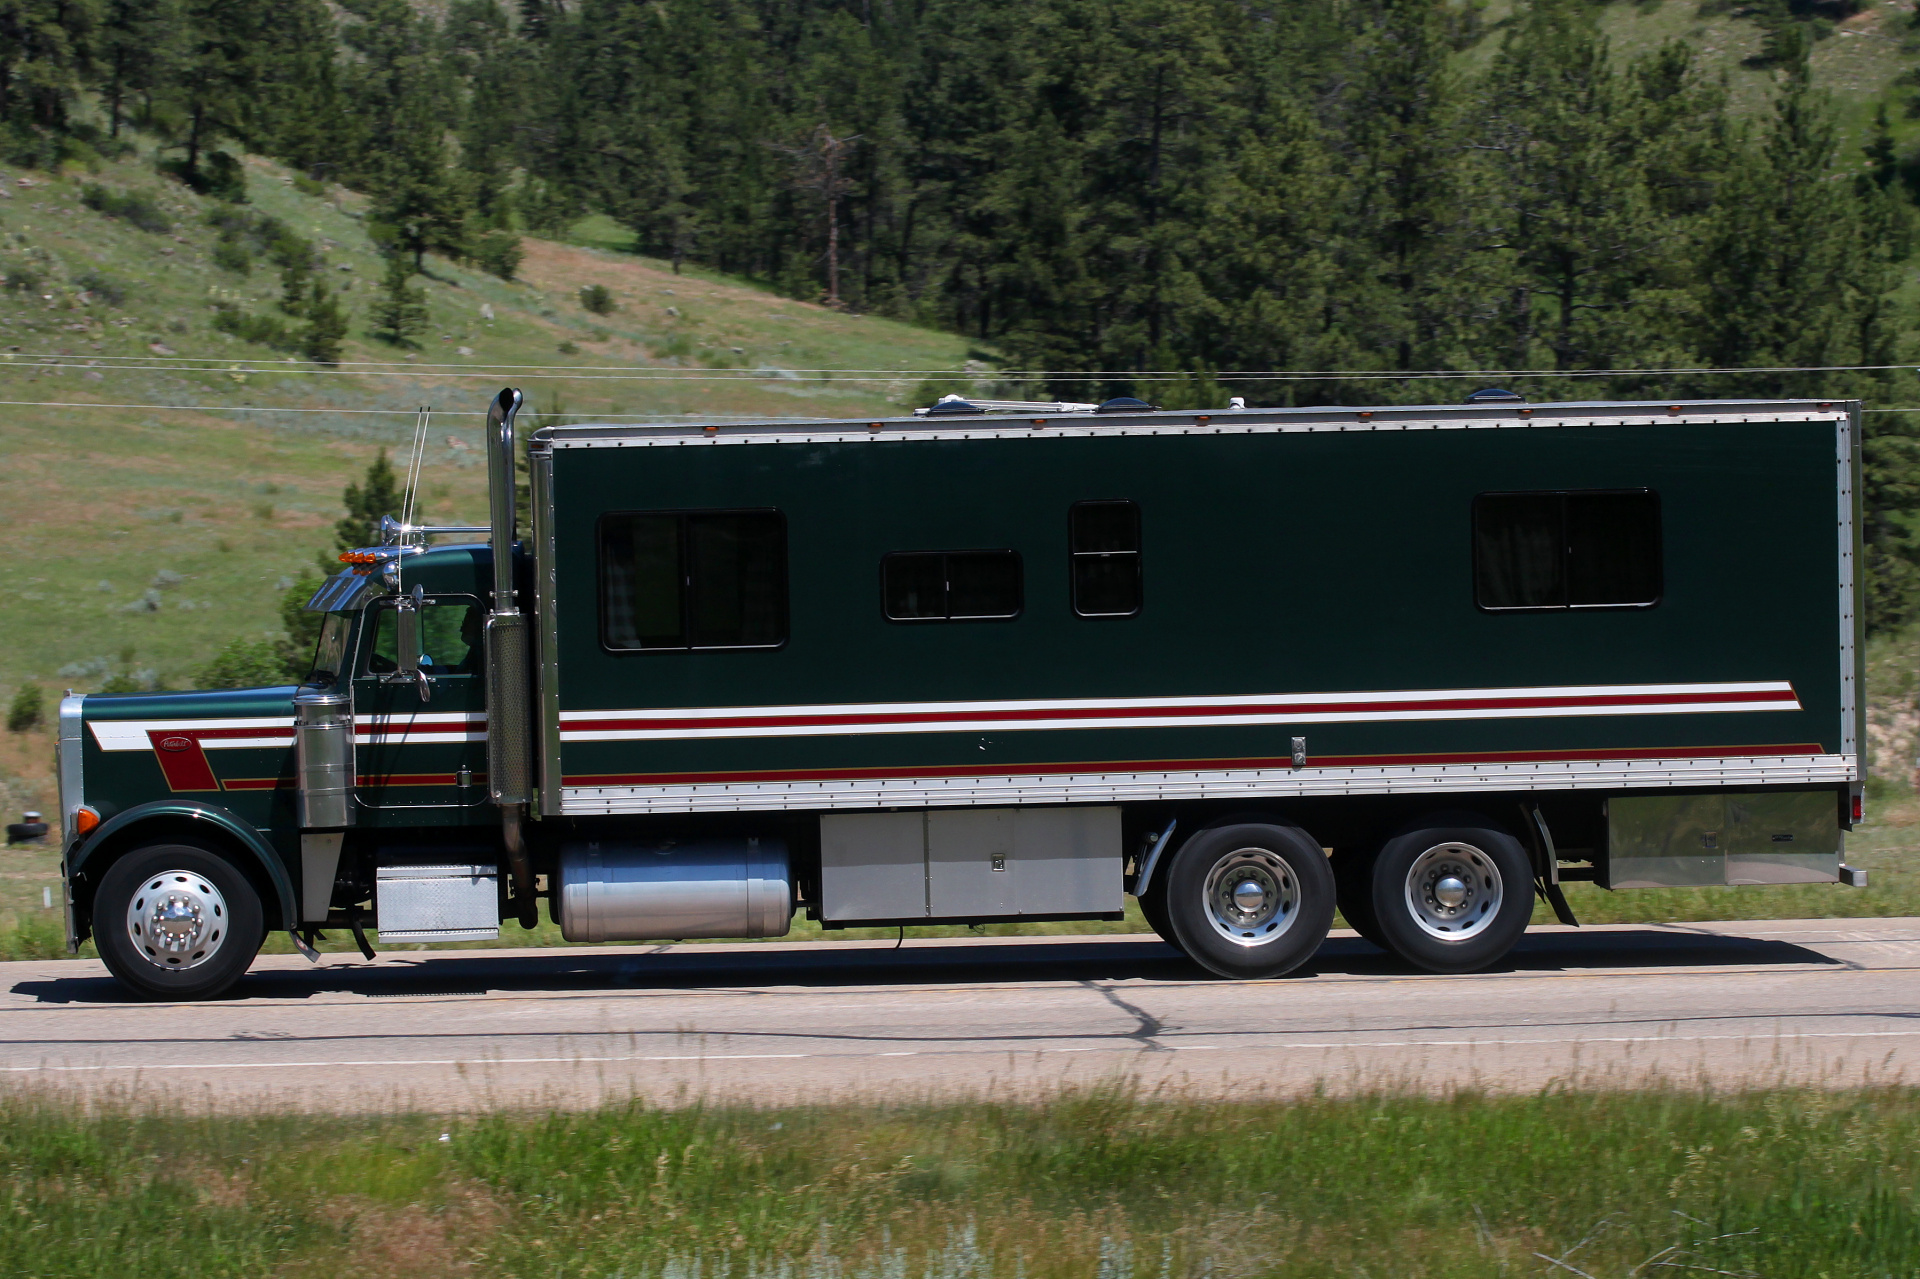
177 920
1252 896
1454 891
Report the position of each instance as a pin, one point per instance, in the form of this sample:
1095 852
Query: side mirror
406 642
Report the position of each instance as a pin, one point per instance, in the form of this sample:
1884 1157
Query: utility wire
379 368
592 417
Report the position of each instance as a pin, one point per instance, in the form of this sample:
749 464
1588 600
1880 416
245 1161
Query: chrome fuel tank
658 890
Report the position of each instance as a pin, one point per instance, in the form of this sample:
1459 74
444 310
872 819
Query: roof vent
1124 404
951 406
1496 395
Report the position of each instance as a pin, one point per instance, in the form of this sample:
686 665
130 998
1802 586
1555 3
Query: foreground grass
1100 1183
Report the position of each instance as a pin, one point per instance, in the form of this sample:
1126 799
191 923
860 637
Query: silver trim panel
1848 462
546 635
1274 783
1223 422
72 795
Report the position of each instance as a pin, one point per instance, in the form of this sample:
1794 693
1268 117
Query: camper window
1567 550
951 586
693 580
1105 541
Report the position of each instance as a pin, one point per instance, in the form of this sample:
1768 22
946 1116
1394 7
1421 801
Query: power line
627 372
195 408
255 408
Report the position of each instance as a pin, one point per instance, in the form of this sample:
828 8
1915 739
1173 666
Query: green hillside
145 537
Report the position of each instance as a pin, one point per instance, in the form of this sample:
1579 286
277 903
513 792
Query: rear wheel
1250 899
1353 882
1452 899
177 921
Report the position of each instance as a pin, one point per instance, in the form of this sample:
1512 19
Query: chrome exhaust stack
509 738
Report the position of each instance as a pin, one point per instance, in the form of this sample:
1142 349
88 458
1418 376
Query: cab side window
685 580
450 638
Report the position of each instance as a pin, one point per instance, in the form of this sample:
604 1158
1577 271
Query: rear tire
1353 882
1452 899
1250 899
177 921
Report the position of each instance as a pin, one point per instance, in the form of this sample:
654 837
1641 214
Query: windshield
331 652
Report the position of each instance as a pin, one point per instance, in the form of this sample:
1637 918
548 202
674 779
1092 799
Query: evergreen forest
1172 198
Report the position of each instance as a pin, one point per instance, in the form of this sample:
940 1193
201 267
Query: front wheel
1452 899
177 921
1153 906
1250 899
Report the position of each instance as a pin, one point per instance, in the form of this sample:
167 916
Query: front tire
1250 899
1452 899
1153 906
177 921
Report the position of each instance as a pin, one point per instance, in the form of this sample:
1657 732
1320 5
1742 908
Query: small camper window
951 586
1105 542
1567 550
693 580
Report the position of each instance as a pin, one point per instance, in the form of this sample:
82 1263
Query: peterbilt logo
176 743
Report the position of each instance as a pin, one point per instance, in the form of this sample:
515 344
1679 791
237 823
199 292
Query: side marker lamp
85 820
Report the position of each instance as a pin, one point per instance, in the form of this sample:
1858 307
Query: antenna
408 503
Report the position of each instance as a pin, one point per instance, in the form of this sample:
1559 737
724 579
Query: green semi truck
1014 662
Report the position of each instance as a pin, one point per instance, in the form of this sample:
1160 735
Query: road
1820 1001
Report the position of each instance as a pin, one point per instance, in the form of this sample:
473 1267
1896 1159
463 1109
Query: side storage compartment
1733 837
969 864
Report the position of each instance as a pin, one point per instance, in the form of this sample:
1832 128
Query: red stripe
256 783
401 728
217 734
416 779
1193 765
1784 697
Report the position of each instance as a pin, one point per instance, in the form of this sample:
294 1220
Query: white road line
440 1061
1759 1038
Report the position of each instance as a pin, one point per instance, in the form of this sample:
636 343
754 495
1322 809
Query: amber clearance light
84 820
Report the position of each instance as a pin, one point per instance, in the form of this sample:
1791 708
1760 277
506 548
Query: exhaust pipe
509 739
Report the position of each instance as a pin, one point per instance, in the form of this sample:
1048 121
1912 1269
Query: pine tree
401 311
367 502
215 80
326 329
135 40
47 50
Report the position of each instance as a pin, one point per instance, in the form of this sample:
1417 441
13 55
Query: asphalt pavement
1829 1002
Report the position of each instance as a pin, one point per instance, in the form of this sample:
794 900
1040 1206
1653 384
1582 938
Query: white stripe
1143 721
389 730
1312 708
1158 703
425 717
1249 783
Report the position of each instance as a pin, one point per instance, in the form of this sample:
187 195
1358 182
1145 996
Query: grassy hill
144 537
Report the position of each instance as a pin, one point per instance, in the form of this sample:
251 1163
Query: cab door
422 743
